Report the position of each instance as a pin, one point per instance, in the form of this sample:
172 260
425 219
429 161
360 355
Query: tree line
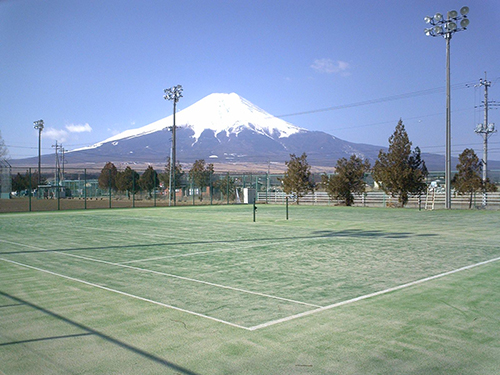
130 182
400 172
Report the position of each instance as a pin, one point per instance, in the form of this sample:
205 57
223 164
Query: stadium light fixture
39 127
446 27
173 94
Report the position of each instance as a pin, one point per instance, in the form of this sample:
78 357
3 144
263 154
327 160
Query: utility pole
486 130
63 161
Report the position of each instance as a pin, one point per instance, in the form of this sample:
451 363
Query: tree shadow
315 234
368 233
91 331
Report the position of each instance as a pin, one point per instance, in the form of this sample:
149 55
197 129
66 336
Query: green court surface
205 290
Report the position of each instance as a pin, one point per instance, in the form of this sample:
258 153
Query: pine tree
149 180
468 178
347 180
400 171
128 181
165 177
297 179
107 177
201 174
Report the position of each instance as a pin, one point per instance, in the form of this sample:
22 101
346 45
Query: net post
286 200
254 210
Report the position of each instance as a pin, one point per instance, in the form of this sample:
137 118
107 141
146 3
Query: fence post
267 186
109 188
85 188
154 188
29 189
227 188
211 189
133 190
58 190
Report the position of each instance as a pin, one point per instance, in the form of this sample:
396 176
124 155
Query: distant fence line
79 189
380 199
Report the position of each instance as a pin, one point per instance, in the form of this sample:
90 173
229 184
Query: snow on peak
232 113
219 112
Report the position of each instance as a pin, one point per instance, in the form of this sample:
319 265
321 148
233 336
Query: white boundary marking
259 326
125 294
168 275
310 312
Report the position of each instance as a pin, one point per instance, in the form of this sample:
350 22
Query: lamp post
39 127
173 94
446 27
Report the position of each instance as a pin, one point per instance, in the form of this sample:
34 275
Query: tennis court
209 278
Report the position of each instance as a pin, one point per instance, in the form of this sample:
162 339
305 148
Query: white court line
126 294
310 312
171 275
205 252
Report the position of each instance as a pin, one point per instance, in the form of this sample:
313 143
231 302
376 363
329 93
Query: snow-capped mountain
223 128
224 114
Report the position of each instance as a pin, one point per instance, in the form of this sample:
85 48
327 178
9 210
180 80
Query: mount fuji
224 128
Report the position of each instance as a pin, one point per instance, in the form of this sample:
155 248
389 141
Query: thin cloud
72 128
59 135
330 66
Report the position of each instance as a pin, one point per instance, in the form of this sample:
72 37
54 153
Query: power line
380 100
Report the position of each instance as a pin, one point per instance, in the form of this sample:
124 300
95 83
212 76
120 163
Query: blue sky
91 69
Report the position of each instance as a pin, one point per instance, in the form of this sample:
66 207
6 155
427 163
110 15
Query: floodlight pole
174 94
446 27
39 127
447 169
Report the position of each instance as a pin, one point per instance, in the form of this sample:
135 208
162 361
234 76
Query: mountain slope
224 128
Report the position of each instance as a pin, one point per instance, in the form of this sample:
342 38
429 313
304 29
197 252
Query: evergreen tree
19 183
149 180
400 171
227 186
128 181
165 177
107 177
201 174
27 181
297 178
347 180
468 178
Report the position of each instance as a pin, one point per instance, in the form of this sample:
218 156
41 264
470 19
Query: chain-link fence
24 189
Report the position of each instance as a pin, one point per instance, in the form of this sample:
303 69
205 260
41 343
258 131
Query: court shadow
90 331
316 234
